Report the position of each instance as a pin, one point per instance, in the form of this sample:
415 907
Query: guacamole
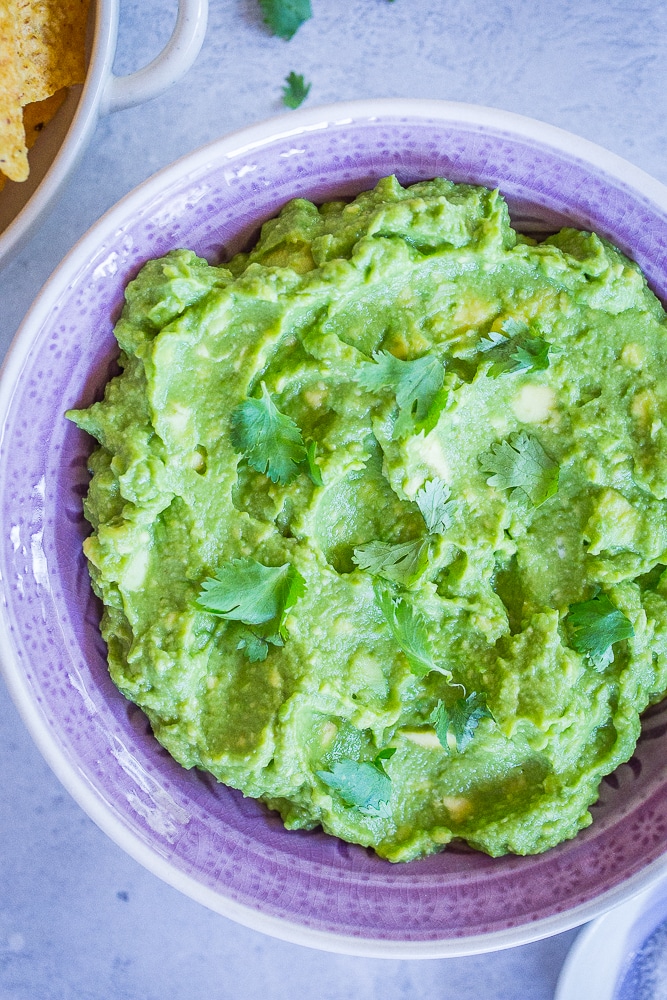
379 517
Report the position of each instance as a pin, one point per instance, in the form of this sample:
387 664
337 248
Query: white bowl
53 158
601 958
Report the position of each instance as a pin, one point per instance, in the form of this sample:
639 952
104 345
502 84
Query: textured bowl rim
228 147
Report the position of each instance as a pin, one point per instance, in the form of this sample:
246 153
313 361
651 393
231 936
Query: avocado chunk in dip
379 517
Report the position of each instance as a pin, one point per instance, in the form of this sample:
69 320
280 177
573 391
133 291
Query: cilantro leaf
285 17
460 721
435 506
516 350
494 339
595 626
385 754
313 468
415 384
409 631
403 563
439 719
295 590
521 462
531 356
248 591
256 648
465 715
270 441
515 327
295 90
364 785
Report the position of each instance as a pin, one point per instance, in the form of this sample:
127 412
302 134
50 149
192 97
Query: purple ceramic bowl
228 852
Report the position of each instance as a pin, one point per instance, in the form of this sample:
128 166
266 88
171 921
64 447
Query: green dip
467 611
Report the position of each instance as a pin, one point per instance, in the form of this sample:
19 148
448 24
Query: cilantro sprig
516 350
414 384
270 441
295 90
455 726
409 631
256 647
247 591
402 563
405 562
434 503
365 785
285 17
313 468
530 356
520 462
595 626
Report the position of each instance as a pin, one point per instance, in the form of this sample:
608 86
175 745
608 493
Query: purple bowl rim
492 120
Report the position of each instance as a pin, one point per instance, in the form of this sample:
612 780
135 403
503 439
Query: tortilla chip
42 51
13 150
36 116
51 41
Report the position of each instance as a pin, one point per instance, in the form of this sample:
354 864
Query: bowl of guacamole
374 523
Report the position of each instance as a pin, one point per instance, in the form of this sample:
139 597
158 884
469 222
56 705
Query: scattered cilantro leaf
364 785
439 402
435 506
403 563
285 17
595 626
515 350
439 719
532 355
515 327
385 754
256 648
409 631
494 339
295 90
465 715
521 462
456 726
296 588
313 468
415 384
270 441
247 591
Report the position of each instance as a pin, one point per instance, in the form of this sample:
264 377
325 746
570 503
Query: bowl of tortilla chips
55 82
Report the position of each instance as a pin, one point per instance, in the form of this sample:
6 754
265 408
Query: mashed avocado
380 518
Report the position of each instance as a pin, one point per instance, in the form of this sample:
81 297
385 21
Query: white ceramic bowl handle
172 63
